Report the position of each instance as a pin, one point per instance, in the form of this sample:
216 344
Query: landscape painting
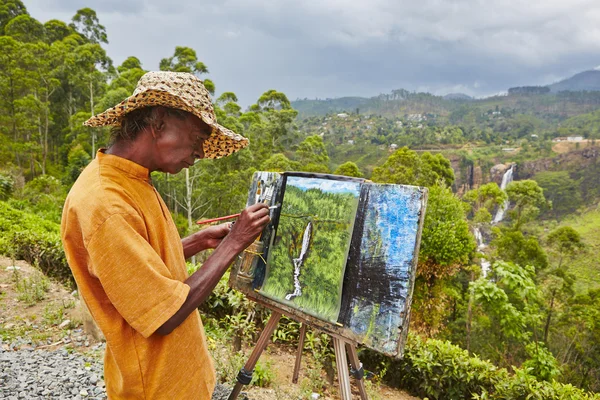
381 265
308 254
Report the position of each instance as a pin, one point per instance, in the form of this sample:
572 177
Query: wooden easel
340 345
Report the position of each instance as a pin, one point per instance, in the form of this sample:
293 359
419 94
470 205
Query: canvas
306 262
339 254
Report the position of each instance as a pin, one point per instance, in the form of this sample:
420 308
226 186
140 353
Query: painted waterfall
307 257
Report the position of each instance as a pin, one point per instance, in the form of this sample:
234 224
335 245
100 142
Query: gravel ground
60 374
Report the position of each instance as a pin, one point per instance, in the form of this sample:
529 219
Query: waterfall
485 264
506 179
298 263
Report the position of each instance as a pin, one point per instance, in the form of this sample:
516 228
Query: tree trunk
188 203
547 327
92 110
470 316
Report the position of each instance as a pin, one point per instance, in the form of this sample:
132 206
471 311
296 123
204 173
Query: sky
326 185
335 48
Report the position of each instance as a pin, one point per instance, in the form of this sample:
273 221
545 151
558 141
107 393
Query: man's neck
135 151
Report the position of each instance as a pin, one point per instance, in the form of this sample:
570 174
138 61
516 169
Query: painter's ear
158 124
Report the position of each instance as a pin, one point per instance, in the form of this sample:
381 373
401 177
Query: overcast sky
334 48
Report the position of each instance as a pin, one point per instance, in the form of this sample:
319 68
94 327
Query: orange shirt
127 259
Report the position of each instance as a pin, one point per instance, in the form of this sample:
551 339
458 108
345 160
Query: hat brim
222 142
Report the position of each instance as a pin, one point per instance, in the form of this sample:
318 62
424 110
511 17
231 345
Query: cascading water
485 264
506 179
298 263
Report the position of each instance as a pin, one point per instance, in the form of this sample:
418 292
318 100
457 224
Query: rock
64 324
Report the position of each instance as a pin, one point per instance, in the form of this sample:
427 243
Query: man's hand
207 238
249 225
212 235
245 230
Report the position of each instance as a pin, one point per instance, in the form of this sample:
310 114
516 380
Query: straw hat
179 90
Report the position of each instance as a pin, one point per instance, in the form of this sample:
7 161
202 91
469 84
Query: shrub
35 240
440 370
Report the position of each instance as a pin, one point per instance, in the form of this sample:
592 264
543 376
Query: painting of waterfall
340 254
307 256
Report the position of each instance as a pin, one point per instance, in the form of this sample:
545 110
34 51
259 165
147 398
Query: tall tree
526 197
86 23
185 60
10 9
25 29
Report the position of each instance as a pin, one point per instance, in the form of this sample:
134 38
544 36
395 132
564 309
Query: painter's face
179 142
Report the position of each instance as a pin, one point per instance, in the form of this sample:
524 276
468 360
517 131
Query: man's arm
247 227
207 238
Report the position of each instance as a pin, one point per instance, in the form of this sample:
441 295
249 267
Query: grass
31 290
586 265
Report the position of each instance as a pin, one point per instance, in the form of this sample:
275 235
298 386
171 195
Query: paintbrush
208 221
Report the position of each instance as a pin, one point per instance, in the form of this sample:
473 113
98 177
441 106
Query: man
124 250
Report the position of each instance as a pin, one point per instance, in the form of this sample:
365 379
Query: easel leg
245 374
358 370
299 353
342 369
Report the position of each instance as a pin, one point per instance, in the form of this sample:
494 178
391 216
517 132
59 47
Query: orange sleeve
134 277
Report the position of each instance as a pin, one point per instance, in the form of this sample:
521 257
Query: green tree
185 60
348 169
566 241
25 29
484 199
406 167
312 152
86 23
10 9
279 163
446 245
514 246
560 189
56 31
526 197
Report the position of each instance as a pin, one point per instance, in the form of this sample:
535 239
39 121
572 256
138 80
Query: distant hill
457 96
584 81
574 96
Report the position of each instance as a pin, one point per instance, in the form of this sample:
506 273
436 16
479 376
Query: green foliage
541 364
484 200
279 163
85 22
6 186
446 239
406 167
526 197
566 241
35 240
440 370
327 213
31 290
263 374
514 246
561 190
348 169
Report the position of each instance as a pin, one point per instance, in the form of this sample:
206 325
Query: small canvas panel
381 264
307 258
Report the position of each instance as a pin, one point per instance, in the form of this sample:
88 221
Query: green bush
440 370
35 240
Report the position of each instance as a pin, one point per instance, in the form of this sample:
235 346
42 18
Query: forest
527 328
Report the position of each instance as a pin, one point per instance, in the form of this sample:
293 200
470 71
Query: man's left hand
212 235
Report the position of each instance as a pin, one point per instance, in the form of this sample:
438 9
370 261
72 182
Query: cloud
331 48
